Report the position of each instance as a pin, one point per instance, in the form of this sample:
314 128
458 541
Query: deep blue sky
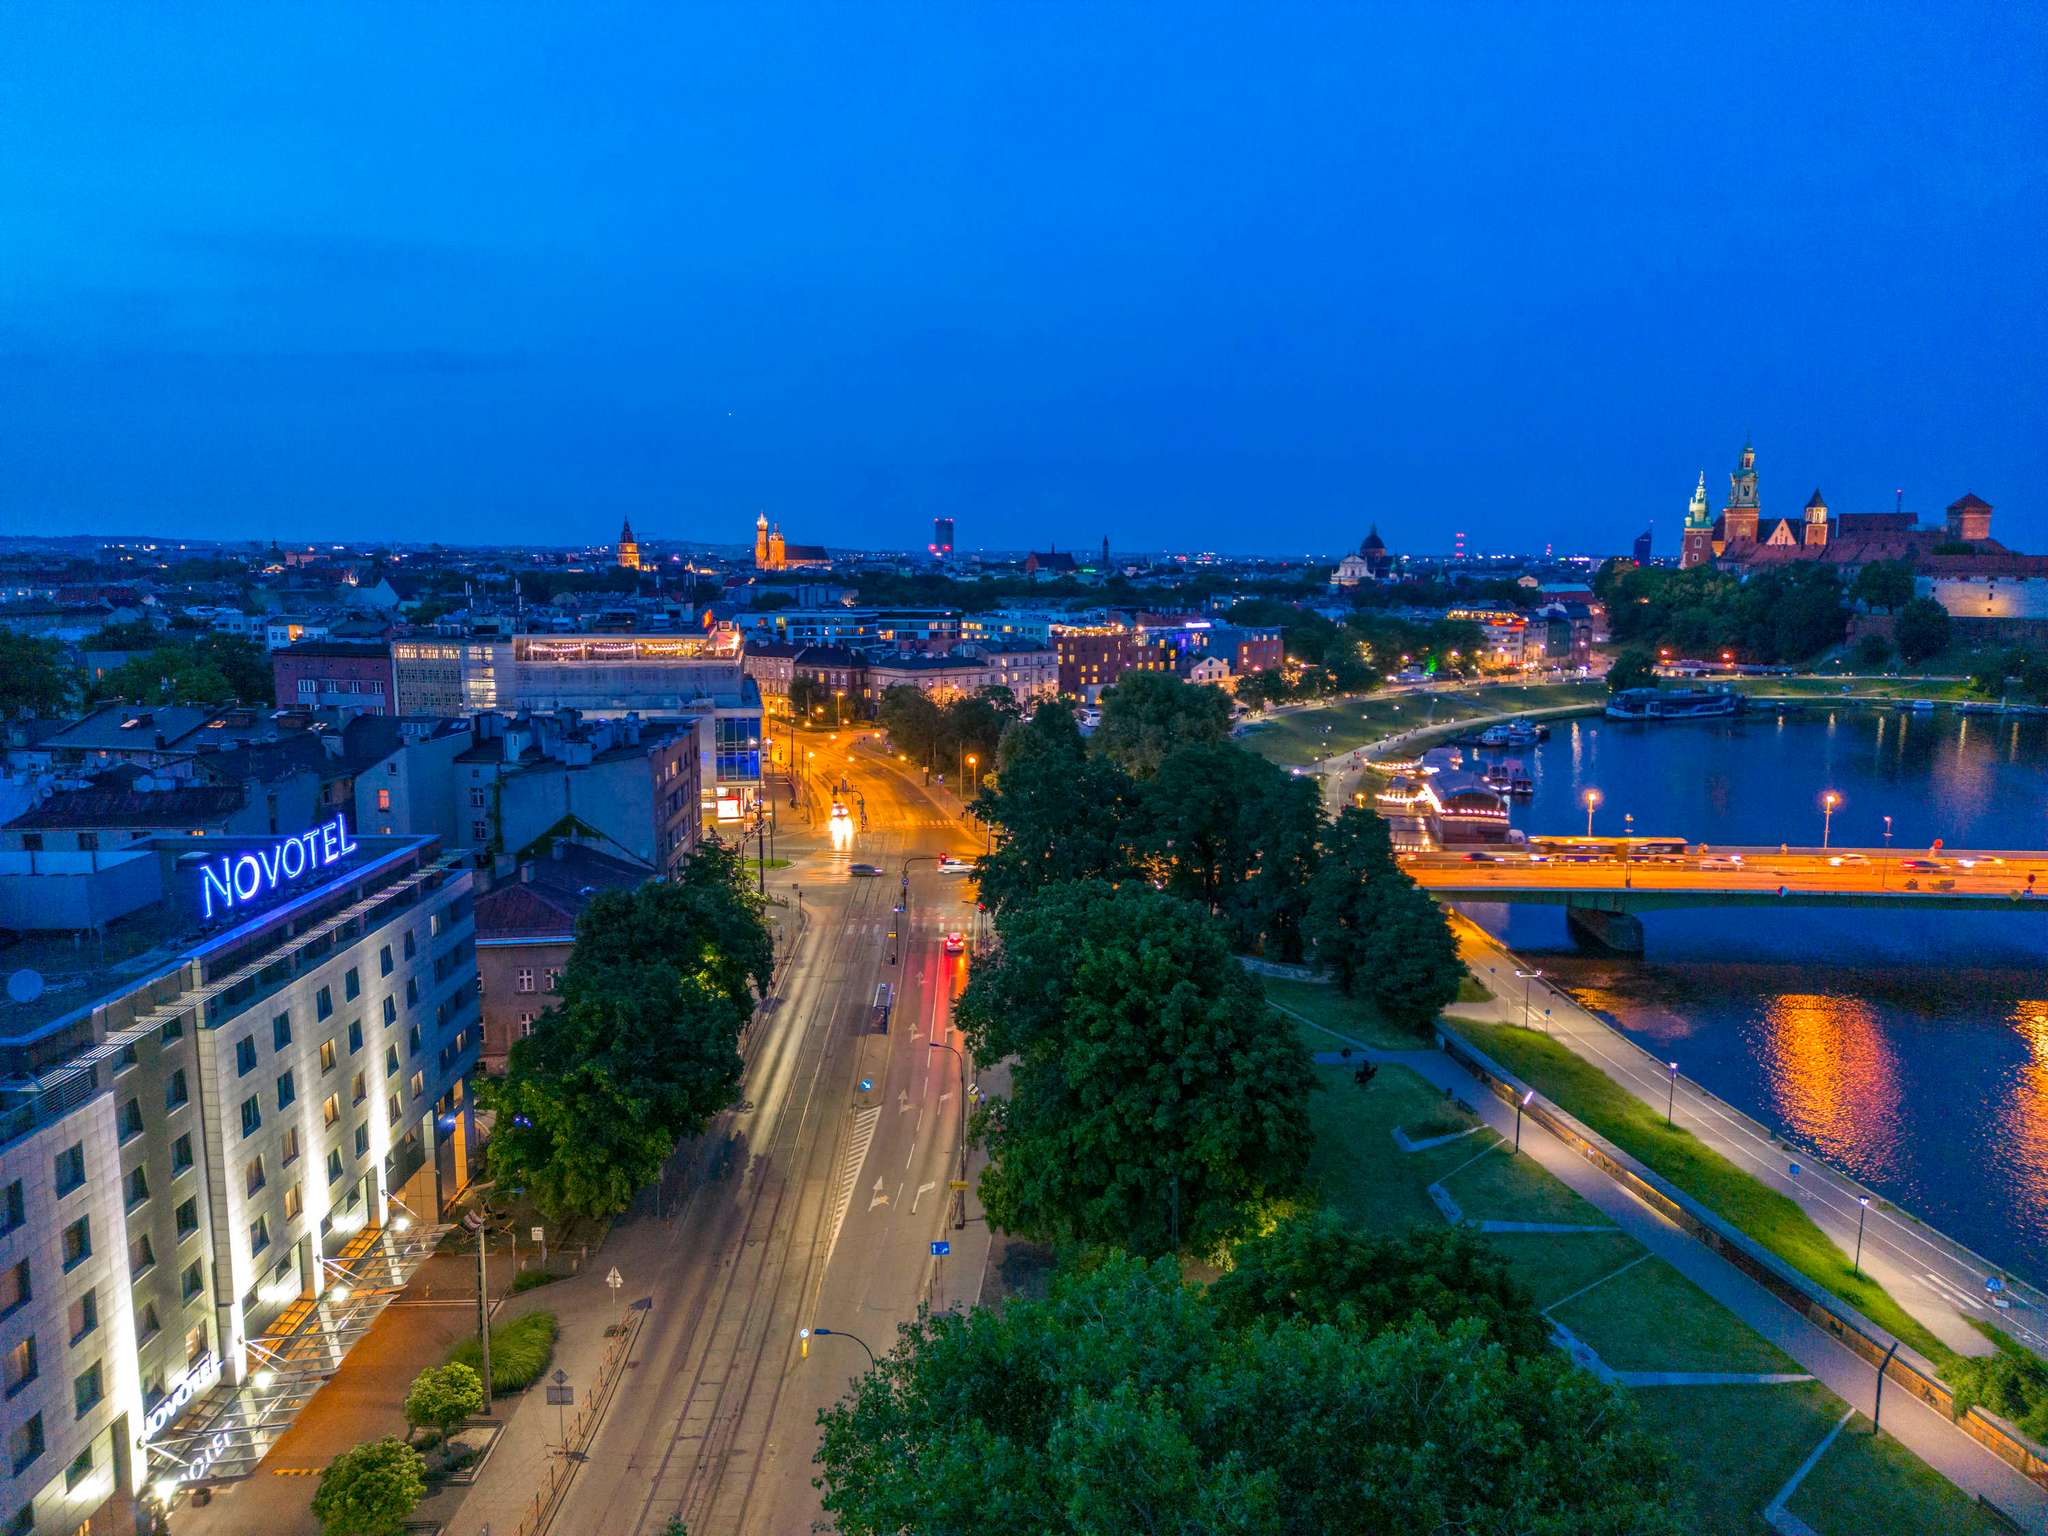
1249 278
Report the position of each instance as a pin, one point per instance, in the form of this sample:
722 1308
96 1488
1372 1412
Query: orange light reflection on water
2023 1117
1833 1078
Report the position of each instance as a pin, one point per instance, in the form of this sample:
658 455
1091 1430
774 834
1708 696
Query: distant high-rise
1642 551
629 551
941 546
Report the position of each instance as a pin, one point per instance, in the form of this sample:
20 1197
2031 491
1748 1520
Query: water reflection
1833 1078
2021 1119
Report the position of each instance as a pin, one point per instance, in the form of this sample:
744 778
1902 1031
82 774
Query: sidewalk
1937 1280
1921 1429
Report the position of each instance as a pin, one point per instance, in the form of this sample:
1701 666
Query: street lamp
1671 1096
1592 798
1887 833
973 767
1527 977
1828 802
1862 1210
807 1334
1521 1104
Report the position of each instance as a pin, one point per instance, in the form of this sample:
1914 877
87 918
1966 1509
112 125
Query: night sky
1246 278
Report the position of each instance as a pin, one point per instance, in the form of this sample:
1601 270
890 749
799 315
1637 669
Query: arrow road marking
856 1154
880 1198
920 1195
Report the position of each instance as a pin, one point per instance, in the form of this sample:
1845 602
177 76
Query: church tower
1739 517
777 559
1696 543
1816 521
629 551
761 542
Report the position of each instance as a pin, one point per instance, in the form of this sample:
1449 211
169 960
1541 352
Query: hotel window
175 1030
287 1090
188 1219
77 1243
351 984
417 1084
288 1148
84 1315
333 1164
411 947
392 1111
181 1155
21 1365
281 1031
141 1255
26 1443
362 1141
136 1187
86 1391
147 1327
245 1055
190 1284
525 982
390 1060
259 1235
359 1088
390 1011
252 1116
323 1003
15 1289
412 991
13 1207
384 961
412 1040
253 1175
176 1093
70 1168
355 1036
294 1202
328 1055
330 1109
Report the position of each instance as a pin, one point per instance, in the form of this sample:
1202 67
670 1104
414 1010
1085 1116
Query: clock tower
1739 517
1696 543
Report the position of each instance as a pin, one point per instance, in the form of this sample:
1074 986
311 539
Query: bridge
1603 891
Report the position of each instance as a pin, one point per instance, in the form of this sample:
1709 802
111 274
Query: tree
1921 630
809 699
1314 1268
1156 1102
207 669
1634 667
442 1396
1886 584
1065 813
1375 929
915 724
1870 652
1146 715
1258 690
1124 1403
371 1490
33 678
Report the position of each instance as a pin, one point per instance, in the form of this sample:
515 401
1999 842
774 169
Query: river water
1907 1048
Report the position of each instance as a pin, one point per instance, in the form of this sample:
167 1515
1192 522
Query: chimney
526 873
555 848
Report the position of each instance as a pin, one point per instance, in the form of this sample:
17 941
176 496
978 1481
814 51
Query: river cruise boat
1674 704
1510 733
1510 778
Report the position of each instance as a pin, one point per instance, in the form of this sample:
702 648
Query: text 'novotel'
235 880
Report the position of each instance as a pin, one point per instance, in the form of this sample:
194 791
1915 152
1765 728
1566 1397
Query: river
1909 1049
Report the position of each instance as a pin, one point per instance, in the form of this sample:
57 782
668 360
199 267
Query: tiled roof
197 806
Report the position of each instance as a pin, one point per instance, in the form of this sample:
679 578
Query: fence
580 1429
1848 1327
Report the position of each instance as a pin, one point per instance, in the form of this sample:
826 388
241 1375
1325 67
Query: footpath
1927 1433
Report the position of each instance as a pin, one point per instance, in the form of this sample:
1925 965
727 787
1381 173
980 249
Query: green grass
1472 990
532 1280
1354 1160
1822 688
1876 1484
1448 1121
520 1351
1329 1014
1300 737
1552 1265
1651 1318
1737 1445
1772 1219
1504 1187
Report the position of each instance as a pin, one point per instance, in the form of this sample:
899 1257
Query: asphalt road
829 1198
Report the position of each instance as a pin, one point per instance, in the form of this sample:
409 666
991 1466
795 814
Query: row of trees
171 667
1354 656
1787 614
940 737
643 1046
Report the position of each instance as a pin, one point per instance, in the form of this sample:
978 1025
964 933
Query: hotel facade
217 1170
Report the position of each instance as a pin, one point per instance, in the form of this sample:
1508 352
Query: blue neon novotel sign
237 879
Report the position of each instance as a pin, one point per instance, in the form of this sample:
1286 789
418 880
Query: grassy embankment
1736 1445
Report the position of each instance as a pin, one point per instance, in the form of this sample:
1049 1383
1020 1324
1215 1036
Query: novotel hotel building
229 1123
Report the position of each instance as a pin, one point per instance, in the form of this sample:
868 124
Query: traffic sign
615 1279
540 1234
867 1085
940 1248
956 1183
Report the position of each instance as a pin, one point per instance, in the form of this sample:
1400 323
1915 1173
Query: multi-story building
1092 657
525 925
595 673
215 1172
351 675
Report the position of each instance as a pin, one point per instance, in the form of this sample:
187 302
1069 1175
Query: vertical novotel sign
237 879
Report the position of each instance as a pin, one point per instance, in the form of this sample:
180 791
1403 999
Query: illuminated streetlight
1592 798
1671 1096
1527 977
1521 1104
1828 802
1862 1210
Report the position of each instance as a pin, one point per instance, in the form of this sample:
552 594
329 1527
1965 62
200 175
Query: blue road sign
941 1248
1793 1169
867 1085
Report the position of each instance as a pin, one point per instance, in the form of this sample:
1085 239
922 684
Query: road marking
856 1153
911 1156
880 1198
1953 1293
921 1194
902 1100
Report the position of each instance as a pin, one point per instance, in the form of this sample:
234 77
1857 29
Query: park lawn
1822 688
1302 736
1651 1318
1552 1265
1876 1484
1504 1187
1772 1219
1329 1014
1736 1446
1362 1174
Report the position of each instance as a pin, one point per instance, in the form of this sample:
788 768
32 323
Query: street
822 1206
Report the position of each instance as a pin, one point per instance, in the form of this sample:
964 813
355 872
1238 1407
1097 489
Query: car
956 941
952 866
1919 864
838 810
863 869
1476 857
1722 861
1847 858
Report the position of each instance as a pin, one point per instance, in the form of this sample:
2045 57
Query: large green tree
33 678
442 1396
1125 1403
201 669
1921 630
1063 813
1634 666
1147 715
1156 1102
1375 929
1886 584
371 1490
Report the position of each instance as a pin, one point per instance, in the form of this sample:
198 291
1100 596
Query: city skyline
1243 290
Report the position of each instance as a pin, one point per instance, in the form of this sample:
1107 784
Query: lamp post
807 1334
1671 1095
1862 1211
959 1195
1521 1104
1828 802
973 767
1592 798
1887 833
1527 977
838 707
